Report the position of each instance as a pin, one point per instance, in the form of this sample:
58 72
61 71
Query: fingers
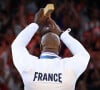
52 22
41 12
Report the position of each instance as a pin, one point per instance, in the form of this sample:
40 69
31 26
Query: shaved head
50 42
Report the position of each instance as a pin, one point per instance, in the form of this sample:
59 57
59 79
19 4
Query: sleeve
80 58
20 53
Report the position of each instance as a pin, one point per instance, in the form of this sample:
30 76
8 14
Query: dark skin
50 42
41 20
55 28
46 24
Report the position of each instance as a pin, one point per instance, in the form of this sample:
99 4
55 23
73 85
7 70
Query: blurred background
83 16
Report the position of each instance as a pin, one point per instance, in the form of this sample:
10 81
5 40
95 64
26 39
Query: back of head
50 42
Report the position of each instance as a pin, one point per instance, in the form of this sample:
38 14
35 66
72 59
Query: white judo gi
48 73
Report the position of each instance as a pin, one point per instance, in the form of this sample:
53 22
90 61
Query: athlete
49 71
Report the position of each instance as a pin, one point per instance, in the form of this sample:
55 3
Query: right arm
81 57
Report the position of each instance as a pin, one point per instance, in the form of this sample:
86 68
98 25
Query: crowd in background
82 16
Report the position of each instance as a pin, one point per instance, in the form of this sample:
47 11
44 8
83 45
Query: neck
49 54
55 51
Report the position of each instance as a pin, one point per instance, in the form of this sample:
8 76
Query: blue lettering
45 77
50 77
40 75
35 76
60 77
53 77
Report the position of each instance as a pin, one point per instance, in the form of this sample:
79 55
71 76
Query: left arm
25 36
80 59
19 51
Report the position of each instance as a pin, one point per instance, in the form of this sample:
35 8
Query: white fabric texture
48 74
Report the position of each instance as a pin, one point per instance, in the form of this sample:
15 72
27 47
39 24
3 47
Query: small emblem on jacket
53 77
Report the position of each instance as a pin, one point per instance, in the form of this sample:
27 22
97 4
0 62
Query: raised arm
74 45
25 36
19 51
80 58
